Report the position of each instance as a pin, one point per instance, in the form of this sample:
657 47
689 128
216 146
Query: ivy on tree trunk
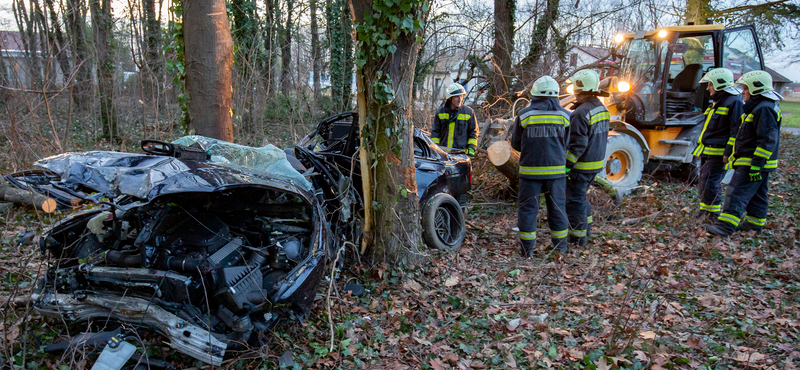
388 37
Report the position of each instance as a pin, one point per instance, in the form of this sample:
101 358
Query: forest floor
655 294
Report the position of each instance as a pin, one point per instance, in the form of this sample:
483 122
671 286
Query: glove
755 173
471 152
567 173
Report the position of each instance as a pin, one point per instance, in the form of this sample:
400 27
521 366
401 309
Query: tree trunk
506 160
153 37
58 40
385 78
209 64
286 51
696 11
315 51
503 47
267 65
529 66
102 26
341 54
75 20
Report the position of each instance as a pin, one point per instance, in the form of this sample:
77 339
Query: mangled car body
208 251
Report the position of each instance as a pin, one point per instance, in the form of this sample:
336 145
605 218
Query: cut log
506 160
24 197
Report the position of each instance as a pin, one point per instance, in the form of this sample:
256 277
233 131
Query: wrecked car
207 242
443 179
210 243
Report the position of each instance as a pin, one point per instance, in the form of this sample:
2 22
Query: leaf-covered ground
655 294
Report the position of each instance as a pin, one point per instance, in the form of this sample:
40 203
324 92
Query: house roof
11 41
597 53
776 77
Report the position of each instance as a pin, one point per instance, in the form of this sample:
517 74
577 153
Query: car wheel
443 223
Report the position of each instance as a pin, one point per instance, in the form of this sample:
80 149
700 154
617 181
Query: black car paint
436 170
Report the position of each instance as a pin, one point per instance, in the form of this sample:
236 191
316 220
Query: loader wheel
624 163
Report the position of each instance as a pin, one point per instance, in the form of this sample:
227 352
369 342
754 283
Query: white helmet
545 86
721 79
585 80
759 83
455 90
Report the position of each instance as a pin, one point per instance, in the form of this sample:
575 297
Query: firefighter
540 134
454 125
715 143
755 155
586 151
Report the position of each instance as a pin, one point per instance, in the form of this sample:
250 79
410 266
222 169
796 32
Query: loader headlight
662 34
619 38
623 86
570 89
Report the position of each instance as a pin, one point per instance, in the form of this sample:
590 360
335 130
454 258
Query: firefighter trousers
579 210
745 196
554 195
709 185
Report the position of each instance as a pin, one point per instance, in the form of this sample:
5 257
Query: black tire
623 151
443 225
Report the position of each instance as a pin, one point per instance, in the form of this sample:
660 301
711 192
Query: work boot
718 230
749 226
560 245
527 248
578 241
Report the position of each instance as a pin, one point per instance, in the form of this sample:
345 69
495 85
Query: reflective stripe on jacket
588 135
540 134
455 128
722 122
758 140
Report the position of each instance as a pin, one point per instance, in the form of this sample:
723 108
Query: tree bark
286 51
209 64
75 20
696 11
102 27
387 157
529 66
503 47
153 37
316 58
341 54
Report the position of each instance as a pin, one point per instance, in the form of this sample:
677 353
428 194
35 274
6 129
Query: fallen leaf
511 362
641 356
602 364
748 356
648 334
422 341
411 284
436 365
451 281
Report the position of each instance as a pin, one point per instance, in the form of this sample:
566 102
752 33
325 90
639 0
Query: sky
776 60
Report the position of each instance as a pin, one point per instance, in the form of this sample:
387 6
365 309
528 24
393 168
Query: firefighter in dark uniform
454 125
540 133
755 155
586 151
715 143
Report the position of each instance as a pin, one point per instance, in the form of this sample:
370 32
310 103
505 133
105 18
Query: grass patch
791 113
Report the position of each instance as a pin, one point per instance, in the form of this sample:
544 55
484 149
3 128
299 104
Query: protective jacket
540 134
588 135
758 140
455 128
722 122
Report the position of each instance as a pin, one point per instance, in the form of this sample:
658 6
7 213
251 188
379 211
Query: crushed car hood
146 177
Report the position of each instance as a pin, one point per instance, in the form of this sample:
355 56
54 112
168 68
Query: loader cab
664 67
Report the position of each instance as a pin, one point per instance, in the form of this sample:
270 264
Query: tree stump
506 160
